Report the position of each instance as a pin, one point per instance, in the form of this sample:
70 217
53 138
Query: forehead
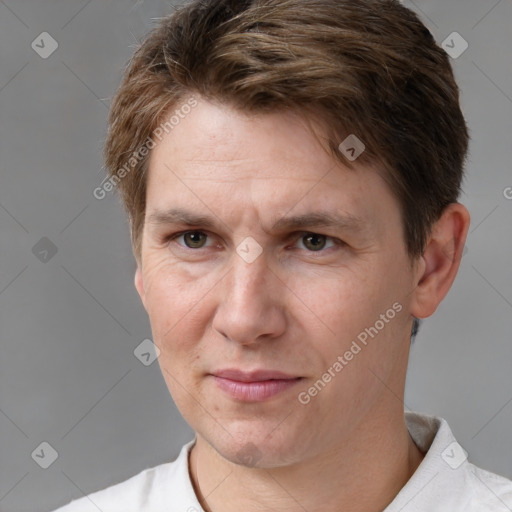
215 133
219 158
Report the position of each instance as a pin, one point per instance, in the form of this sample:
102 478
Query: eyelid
169 238
295 236
336 241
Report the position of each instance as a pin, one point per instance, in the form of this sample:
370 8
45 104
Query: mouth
254 386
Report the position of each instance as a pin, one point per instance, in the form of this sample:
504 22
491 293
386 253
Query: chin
255 447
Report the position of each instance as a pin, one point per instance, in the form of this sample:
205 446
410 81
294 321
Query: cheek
342 301
364 308
176 309
174 301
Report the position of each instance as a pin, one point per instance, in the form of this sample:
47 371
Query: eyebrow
180 216
322 219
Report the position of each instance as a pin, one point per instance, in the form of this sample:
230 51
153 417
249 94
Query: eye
312 242
191 239
315 242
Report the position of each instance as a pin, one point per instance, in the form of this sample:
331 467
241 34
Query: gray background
70 324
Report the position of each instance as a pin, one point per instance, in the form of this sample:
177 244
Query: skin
297 307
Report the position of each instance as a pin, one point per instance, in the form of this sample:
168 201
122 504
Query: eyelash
298 236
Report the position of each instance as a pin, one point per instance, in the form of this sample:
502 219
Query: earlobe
139 285
440 260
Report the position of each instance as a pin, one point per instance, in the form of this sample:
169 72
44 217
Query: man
291 172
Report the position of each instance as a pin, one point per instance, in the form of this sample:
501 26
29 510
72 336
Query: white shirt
445 481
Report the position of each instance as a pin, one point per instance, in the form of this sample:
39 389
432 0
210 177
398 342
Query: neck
361 474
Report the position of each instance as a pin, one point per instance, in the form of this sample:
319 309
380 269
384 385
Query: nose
251 303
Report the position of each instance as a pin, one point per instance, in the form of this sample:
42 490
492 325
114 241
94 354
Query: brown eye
194 239
314 242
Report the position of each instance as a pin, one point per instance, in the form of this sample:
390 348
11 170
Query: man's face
241 288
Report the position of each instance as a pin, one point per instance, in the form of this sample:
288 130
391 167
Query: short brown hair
364 67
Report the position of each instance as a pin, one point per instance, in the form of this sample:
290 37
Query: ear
440 261
139 285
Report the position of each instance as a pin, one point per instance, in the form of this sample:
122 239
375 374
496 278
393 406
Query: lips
253 386
254 376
